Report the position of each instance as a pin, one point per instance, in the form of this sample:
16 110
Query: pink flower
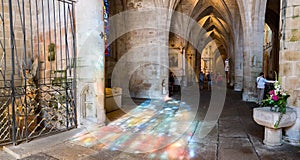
275 98
272 92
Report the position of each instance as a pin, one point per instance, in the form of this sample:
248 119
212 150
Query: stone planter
263 116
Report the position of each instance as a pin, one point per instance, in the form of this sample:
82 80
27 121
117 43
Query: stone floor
163 130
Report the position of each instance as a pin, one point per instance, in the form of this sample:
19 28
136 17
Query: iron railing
37 68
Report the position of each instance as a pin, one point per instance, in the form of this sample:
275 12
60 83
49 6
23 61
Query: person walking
201 80
209 81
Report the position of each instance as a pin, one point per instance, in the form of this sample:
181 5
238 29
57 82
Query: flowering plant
277 100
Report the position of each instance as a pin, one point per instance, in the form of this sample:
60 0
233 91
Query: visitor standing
261 81
171 82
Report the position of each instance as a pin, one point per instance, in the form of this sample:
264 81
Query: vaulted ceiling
215 16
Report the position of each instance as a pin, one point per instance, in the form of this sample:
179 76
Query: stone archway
272 21
219 23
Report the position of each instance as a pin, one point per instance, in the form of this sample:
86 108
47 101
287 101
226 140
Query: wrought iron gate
37 66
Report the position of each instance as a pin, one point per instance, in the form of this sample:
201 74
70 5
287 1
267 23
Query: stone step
26 149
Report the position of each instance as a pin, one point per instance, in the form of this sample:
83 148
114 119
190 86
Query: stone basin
263 116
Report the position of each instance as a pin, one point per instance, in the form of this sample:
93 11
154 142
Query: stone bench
113 99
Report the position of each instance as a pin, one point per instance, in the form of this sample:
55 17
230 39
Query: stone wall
237 60
5 38
53 26
290 51
289 59
142 56
40 29
144 64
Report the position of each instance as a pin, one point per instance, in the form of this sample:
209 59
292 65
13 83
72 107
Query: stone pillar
253 26
253 57
289 60
239 60
190 59
144 63
90 62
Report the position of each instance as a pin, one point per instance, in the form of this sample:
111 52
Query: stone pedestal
263 116
273 137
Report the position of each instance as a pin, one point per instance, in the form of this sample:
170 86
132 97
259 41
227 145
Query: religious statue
31 88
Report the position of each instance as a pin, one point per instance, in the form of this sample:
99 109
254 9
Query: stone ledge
39 145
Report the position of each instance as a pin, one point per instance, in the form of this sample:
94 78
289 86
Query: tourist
208 81
171 82
261 81
201 80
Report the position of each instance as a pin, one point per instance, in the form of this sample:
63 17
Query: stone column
253 26
90 62
289 60
238 63
190 59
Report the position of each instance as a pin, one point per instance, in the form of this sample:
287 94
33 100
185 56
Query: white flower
277 91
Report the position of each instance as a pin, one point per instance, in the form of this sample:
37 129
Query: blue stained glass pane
106 26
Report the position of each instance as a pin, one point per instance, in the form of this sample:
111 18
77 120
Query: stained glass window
106 27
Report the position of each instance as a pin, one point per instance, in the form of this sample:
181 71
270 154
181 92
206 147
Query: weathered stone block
292 100
289 12
295 2
288 33
291 56
286 68
294 82
293 23
295 35
293 46
297 69
298 102
296 11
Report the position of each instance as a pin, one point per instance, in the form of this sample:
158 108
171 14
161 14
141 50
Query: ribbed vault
215 18
221 33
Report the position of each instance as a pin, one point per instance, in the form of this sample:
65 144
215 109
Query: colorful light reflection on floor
159 129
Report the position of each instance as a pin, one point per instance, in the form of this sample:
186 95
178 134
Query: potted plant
275 115
277 101
51 52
